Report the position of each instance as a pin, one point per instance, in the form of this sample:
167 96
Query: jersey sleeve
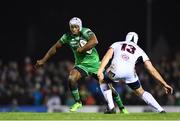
87 33
144 56
114 45
63 39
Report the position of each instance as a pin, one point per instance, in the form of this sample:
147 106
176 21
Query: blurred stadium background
29 28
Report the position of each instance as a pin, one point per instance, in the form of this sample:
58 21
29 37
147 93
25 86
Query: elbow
93 40
95 43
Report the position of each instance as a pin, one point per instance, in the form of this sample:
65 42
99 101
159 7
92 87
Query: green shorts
89 69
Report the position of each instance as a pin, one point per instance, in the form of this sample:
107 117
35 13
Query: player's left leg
107 93
115 94
74 76
146 96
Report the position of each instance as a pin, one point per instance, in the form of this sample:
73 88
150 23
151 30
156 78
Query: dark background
30 28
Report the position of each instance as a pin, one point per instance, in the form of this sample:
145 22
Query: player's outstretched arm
152 70
90 44
52 51
104 62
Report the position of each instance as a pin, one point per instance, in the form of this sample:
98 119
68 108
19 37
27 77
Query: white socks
107 95
149 99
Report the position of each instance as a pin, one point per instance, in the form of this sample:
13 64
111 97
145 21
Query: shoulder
115 44
139 48
64 38
118 43
135 45
86 31
66 35
140 51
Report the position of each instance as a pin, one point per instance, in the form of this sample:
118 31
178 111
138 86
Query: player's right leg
146 96
107 93
115 94
73 79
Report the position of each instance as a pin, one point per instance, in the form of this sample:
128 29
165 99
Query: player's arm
104 62
155 74
52 51
89 45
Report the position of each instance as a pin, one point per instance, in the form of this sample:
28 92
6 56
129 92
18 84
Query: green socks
75 94
118 101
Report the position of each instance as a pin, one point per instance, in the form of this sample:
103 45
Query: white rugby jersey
124 59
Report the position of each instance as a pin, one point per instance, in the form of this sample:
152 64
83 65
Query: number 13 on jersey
129 48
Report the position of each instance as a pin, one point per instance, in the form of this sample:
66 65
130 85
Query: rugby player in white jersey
124 56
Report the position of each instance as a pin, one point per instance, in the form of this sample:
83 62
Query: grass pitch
88 116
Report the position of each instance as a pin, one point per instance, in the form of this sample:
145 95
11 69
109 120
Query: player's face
74 29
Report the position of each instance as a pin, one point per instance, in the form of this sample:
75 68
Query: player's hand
79 50
39 63
100 75
168 89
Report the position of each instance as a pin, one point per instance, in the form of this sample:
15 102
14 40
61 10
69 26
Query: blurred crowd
21 84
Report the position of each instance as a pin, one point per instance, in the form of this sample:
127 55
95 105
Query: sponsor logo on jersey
74 43
125 57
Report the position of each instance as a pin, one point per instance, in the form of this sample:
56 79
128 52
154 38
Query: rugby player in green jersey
82 42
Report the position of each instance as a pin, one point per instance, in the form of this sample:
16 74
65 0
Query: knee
72 79
74 76
139 91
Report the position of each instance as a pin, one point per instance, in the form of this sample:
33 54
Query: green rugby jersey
88 61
